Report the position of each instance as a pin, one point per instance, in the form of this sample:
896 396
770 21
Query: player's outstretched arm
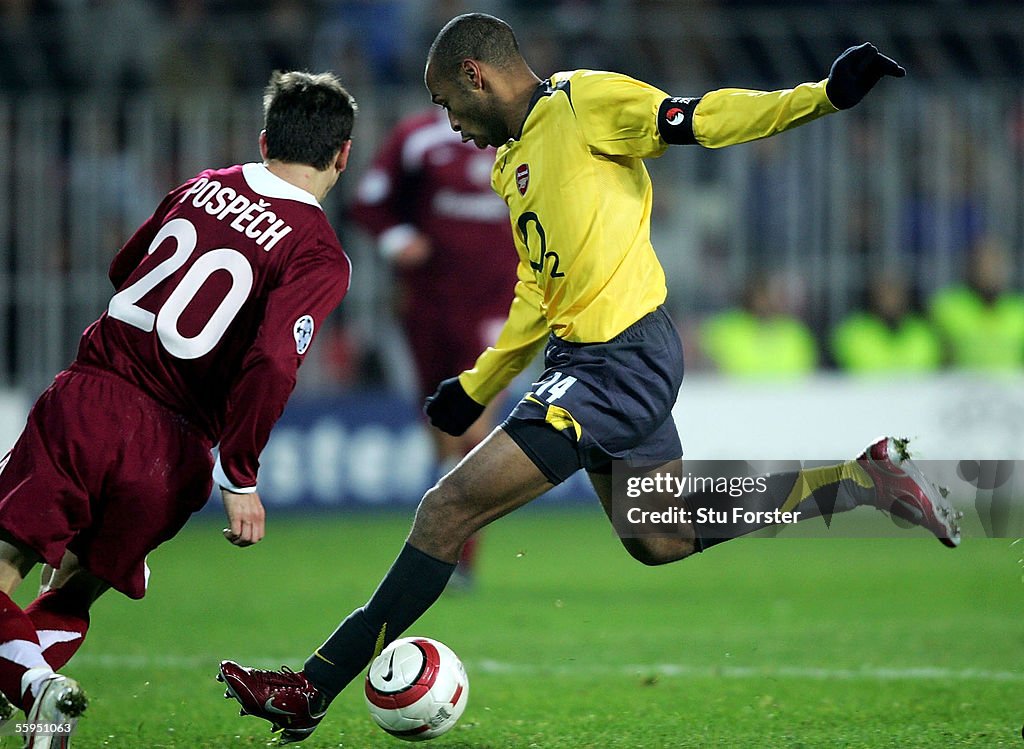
729 116
246 517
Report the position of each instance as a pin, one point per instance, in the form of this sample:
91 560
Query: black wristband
675 120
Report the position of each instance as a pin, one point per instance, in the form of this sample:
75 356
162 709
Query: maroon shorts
106 472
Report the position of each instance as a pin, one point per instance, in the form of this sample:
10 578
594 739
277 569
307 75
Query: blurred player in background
570 167
218 296
428 202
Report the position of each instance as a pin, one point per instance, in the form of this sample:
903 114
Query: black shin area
411 586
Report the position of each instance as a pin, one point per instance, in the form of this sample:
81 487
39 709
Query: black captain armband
675 120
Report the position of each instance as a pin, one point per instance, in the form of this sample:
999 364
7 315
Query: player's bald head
473 36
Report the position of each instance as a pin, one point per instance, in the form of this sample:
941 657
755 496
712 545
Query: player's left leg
60 616
493 480
464 577
442 345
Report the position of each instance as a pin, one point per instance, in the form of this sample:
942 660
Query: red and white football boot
902 490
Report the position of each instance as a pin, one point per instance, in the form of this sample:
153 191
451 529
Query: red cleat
285 698
901 489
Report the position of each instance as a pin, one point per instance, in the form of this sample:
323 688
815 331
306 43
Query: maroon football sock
19 654
61 622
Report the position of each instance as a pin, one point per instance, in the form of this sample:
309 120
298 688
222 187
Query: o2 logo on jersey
303 332
524 223
523 178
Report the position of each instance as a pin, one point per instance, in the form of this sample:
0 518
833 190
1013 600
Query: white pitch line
668 670
866 673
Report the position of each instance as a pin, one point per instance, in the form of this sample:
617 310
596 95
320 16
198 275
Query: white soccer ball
416 689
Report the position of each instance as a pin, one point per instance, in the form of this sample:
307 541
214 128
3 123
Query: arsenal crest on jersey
523 178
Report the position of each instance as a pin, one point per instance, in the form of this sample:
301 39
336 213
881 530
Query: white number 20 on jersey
124 305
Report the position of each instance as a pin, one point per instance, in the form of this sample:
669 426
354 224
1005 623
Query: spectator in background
982 321
428 202
889 336
763 338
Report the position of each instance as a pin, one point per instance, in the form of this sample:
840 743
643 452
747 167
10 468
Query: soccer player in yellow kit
570 166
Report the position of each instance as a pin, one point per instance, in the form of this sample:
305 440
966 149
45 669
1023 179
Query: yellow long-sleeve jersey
579 198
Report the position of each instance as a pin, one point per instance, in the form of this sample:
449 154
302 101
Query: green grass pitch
568 643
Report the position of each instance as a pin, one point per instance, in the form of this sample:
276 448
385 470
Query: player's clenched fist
450 409
856 71
246 517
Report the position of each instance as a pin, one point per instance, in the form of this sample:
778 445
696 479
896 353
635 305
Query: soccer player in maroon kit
218 296
427 199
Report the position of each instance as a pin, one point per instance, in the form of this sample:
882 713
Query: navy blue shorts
599 402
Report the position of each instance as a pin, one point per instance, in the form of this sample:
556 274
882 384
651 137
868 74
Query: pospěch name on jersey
251 218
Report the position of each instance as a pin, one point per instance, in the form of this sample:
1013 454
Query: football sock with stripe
61 620
22 666
412 585
812 492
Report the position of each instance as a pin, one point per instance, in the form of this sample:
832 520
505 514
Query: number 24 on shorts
555 385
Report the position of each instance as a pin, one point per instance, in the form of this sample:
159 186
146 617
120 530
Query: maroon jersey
219 294
425 178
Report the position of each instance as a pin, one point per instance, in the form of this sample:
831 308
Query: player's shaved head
473 36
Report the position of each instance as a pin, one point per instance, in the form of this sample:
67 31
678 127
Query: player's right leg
57 707
901 489
651 549
74 480
441 345
495 478
40 505
16 561
882 476
60 612
60 615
